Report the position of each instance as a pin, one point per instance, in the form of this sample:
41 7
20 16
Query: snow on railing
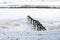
37 25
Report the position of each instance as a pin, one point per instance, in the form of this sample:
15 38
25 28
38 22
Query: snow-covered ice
15 26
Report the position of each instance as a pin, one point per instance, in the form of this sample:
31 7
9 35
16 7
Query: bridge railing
37 25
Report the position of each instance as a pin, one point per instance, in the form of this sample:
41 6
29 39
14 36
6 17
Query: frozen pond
14 24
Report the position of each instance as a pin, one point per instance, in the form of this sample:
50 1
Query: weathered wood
37 25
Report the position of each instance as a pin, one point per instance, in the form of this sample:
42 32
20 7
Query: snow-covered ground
28 2
15 26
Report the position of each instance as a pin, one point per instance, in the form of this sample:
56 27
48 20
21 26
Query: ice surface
15 26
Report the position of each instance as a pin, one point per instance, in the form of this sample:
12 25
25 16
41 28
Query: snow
15 26
29 2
